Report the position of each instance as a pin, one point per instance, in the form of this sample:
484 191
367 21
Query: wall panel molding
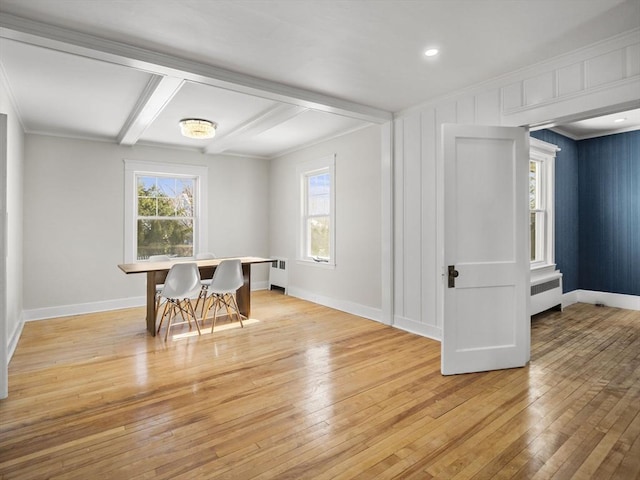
607 65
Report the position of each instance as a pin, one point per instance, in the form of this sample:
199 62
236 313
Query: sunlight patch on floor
206 330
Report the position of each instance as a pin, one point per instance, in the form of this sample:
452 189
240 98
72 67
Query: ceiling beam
266 120
155 97
56 38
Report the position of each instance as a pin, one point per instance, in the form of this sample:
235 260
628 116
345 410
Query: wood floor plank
308 392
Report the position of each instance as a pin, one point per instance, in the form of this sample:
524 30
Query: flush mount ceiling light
197 128
432 52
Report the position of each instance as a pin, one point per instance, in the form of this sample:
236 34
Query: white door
486 226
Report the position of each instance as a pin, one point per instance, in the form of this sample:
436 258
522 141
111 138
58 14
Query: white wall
74 228
598 79
11 294
355 283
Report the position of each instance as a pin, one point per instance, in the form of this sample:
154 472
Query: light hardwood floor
306 392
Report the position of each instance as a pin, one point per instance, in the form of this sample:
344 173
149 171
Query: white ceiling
605 125
275 75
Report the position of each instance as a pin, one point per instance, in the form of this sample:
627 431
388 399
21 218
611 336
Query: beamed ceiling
274 75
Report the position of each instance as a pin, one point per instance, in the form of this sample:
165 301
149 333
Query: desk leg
243 294
151 303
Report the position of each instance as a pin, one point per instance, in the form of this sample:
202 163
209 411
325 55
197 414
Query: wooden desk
157 272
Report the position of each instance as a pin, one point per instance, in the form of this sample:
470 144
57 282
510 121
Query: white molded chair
181 285
226 280
206 282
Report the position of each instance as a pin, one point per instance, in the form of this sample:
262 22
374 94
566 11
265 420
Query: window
163 210
541 196
317 199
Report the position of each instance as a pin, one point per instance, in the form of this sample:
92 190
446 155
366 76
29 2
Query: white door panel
486 321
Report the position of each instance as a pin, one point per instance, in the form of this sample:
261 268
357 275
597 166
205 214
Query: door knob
453 274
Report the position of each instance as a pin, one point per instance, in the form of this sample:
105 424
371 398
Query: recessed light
432 52
618 120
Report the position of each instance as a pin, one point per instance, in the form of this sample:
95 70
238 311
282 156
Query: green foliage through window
318 215
165 216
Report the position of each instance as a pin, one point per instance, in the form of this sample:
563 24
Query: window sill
313 263
541 272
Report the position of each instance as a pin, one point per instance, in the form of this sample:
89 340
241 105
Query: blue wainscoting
567 212
609 185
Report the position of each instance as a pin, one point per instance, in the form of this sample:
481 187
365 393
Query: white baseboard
82 308
12 341
342 305
617 300
103 306
411 326
259 285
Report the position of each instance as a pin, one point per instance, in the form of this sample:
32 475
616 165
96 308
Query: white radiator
546 293
278 274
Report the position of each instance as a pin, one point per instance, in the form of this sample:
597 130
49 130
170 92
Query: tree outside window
165 216
318 216
317 199
164 212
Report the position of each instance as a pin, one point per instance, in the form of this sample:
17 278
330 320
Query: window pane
533 185
532 223
318 237
147 207
165 237
166 207
166 187
318 188
184 204
538 225
147 184
167 198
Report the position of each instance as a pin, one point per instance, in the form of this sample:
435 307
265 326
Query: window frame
544 154
315 167
135 168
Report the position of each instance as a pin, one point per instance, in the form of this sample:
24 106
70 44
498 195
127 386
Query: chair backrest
205 256
227 277
183 281
159 258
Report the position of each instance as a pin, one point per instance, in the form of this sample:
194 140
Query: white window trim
302 170
138 167
546 154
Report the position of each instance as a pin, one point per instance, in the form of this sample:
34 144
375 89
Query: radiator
278 274
546 293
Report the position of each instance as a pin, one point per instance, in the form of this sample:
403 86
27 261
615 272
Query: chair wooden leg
206 307
216 304
226 305
172 315
201 296
235 306
193 313
180 306
164 312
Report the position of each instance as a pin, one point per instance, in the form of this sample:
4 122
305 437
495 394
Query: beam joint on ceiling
155 97
77 43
